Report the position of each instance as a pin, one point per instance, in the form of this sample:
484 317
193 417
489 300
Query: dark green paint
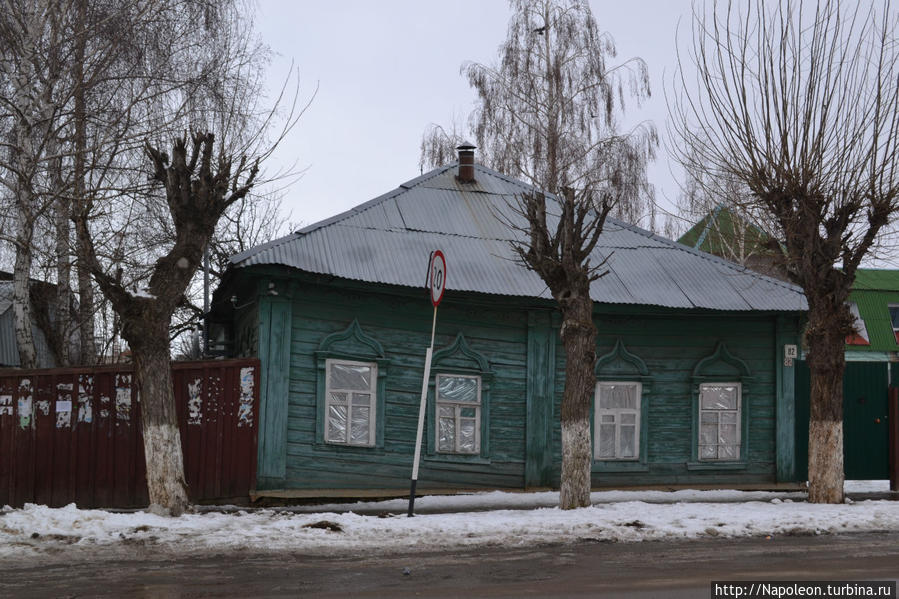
274 353
354 344
541 340
865 401
787 333
458 358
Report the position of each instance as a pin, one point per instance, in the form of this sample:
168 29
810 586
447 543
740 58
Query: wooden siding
526 362
671 345
402 326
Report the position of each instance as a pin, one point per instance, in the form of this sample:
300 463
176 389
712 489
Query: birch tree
799 101
717 201
548 113
33 89
133 73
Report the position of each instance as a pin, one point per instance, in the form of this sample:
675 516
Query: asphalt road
636 570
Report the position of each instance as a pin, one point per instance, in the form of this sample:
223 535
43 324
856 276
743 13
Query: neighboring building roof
387 240
5 297
9 351
728 235
873 292
710 233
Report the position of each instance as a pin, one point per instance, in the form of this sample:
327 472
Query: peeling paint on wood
71 456
104 406
85 392
245 407
195 402
26 415
6 405
63 405
123 396
63 413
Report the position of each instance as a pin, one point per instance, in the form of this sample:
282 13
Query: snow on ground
615 516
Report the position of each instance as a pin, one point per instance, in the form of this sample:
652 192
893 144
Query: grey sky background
386 69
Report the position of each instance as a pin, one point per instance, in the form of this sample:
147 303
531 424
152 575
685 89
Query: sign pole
437 284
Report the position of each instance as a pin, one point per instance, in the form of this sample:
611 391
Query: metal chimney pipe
466 163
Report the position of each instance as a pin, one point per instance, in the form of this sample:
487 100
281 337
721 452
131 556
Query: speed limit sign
437 277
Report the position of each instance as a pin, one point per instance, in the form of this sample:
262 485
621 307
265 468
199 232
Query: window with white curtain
719 421
617 421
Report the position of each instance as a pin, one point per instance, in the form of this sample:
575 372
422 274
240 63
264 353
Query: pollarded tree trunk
562 259
579 339
826 363
148 336
199 187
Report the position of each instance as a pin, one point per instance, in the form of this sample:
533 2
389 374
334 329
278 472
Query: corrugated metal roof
387 240
875 278
9 350
874 291
5 296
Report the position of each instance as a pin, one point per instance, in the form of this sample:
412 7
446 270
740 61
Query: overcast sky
385 69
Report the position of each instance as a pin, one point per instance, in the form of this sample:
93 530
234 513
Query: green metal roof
873 292
710 233
876 279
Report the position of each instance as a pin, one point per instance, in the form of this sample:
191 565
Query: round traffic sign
437 278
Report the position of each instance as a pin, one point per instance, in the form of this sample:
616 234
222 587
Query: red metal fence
73 435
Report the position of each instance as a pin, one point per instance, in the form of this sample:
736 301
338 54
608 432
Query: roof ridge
429 232
331 220
364 206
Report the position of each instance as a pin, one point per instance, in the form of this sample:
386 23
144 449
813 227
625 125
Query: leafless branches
548 110
799 103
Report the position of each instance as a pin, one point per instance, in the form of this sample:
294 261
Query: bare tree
32 90
715 202
548 113
128 72
199 185
800 102
561 256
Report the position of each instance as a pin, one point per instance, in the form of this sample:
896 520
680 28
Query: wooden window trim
597 417
372 402
738 425
457 412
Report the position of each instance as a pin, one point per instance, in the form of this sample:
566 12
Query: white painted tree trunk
574 490
162 442
825 461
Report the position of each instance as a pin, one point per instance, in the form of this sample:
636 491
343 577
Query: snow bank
37 529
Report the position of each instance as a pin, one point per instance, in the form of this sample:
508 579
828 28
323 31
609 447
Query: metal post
893 422
421 417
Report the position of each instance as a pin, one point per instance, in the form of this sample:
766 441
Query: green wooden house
693 387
